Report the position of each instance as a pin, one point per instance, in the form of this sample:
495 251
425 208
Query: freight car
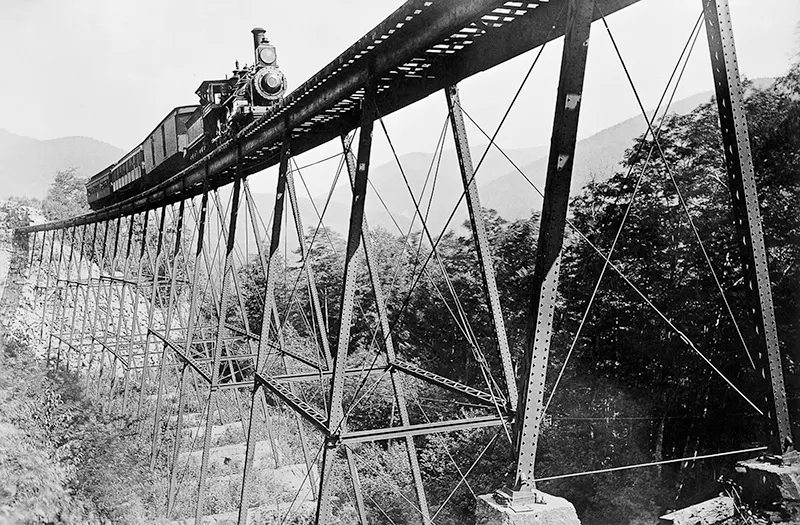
189 132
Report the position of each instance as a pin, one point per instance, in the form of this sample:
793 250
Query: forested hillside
633 390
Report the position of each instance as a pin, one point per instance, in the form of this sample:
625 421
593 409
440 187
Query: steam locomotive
187 133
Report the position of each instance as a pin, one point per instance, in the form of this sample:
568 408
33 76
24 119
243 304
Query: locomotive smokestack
258 36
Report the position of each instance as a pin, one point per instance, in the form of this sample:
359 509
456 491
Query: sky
112 70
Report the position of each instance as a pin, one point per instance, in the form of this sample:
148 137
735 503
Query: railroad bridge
144 298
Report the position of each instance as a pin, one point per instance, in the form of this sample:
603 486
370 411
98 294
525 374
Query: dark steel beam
363 436
551 237
171 299
187 348
121 316
397 382
320 332
121 359
747 218
269 263
227 279
336 416
311 414
479 396
151 307
185 357
135 326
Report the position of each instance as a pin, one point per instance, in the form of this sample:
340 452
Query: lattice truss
194 316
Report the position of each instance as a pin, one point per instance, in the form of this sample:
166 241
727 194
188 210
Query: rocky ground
64 459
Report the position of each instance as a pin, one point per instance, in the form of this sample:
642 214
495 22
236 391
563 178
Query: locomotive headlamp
270 83
266 55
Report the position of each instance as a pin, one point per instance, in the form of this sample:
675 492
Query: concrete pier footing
551 511
773 486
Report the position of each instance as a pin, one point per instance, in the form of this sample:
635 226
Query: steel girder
548 249
747 218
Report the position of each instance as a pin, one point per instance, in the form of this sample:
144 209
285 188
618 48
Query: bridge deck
419 49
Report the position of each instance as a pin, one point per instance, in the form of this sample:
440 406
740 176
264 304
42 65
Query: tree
66 196
625 343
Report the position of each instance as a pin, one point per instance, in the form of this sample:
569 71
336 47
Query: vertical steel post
269 306
77 296
66 293
39 265
747 217
227 276
104 354
38 290
135 325
86 289
335 409
319 321
44 290
551 237
47 282
190 327
167 326
122 309
116 290
151 311
58 279
236 285
96 312
481 239
397 380
176 450
32 249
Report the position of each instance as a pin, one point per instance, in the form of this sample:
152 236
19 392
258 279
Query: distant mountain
501 187
28 166
596 157
337 217
443 179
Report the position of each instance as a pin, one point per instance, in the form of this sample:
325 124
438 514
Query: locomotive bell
264 51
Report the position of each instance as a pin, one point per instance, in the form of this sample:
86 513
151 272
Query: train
187 133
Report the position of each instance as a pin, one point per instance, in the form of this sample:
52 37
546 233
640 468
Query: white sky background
111 70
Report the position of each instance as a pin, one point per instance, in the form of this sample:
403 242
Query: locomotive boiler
187 133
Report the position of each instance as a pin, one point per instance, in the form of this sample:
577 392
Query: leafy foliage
66 196
634 390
